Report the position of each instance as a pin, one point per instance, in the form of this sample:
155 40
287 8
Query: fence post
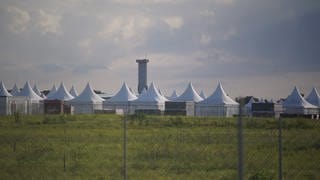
64 148
280 147
125 147
240 144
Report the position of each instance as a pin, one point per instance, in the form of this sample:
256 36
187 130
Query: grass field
159 147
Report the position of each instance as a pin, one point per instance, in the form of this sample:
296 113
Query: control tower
142 74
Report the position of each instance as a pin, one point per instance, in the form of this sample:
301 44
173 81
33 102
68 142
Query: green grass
159 147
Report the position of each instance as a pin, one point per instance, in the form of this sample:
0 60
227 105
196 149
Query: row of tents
32 100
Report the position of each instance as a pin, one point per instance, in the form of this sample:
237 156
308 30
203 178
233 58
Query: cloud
198 41
86 45
205 38
86 68
139 2
225 2
19 19
174 22
126 30
207 13
51 68
229 33
48 23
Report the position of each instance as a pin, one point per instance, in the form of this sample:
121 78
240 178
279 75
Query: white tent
173 96
34 106
218 104
248 106
144 90
27 91
314 97
10 104
52 91
149 100
132 91
37 91
203 95
3 90
121 100
61 94
73 91
296 104
189 94
87 101
15 90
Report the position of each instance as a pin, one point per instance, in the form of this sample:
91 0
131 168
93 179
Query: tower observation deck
142 74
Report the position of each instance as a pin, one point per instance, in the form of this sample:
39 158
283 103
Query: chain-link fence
158 147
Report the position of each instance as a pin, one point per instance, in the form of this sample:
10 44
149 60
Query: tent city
151 100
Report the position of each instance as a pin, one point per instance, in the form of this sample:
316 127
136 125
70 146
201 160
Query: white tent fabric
248 106
61 94
120 101
149 100
189 94
144 90
151 95
219 97
132 91
3 90
296 104
27 91
203 95
123 95
314 97
218 104
88 95
173 96
15 90
73 91
33 100
87 102
36 90
52 91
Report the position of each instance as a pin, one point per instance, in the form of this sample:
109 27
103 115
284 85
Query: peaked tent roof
88 95
123 95
219 97
36 90
132 91
203 95
73 91
15 90
144 90
61 94
249 104
314 97
151 95
3 90
28 92
189 94
296 100
160 92
52 91
174 95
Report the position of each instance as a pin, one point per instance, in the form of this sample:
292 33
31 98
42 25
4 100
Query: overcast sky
254 47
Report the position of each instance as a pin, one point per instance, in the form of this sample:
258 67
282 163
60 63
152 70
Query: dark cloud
197 39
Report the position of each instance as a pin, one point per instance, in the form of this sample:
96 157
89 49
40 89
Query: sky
254 47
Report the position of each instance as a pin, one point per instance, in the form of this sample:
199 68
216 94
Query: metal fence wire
220 148
159 147
181 148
